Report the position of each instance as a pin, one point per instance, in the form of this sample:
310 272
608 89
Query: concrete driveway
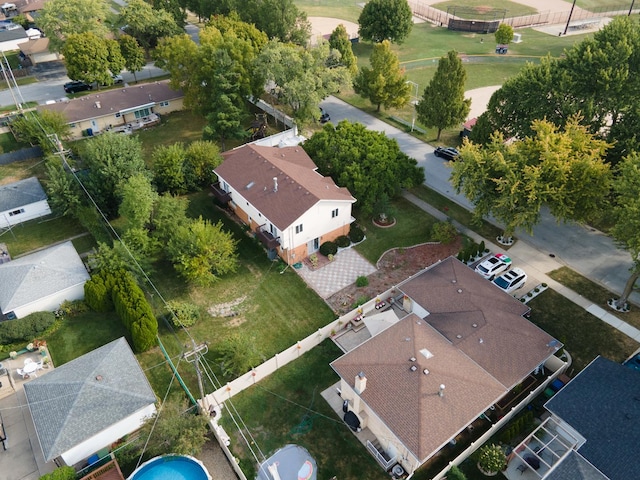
583 249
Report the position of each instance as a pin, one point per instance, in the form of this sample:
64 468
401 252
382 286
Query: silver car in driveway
511 280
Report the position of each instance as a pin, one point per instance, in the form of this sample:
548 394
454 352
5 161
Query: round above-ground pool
171 467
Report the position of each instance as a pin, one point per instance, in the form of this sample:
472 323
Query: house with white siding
22 201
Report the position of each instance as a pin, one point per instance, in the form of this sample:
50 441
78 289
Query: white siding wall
107 436
31 211
52 302
317 221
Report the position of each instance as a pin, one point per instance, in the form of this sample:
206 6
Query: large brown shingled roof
251 169
113 101
481 347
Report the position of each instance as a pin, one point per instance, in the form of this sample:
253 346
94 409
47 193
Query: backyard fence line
295 351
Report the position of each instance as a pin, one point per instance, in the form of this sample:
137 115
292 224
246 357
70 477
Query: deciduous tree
368 163
133 54
138 198
386 20
384 83
561 169
60 18
38 128
91 58
339 40
504 33
146 24
443 104
62 190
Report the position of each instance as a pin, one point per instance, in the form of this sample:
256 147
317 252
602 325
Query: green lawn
600 5
183 126
41 232
15 171
594 292
583 335
290 397
413 226
477 9
330 8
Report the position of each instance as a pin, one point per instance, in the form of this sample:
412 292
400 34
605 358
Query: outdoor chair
22 373
522 468
27 361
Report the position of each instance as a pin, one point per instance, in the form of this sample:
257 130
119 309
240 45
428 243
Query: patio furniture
30 368
522 468
27 361
22 373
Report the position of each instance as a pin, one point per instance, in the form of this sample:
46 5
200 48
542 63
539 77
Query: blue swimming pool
171 467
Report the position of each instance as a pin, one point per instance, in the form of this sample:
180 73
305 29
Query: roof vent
250 184
481 340
425 371
412 359
413 368
426 353
454 281
275 184
98 378
441 391
98 105
474 325
459 290
458 336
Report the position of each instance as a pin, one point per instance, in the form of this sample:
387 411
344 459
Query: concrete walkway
537 265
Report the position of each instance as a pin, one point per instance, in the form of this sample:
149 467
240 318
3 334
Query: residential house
120 109
37 51
463 346
22 201
89 403
11 35
41 281
592 432
280 195
29 8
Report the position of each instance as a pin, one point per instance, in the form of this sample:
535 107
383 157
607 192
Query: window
118 115
164 104
145 112
334 213
299 228
16 212
273 230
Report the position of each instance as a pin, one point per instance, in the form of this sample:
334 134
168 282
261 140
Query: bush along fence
107 291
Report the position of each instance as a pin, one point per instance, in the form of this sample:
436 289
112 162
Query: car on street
448 153
493 266
76 86
324 116
511 280
117 78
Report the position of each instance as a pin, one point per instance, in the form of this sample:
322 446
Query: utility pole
193 356
569 19
631 7
414 100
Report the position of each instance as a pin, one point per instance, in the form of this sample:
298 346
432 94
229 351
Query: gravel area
216 462
394 266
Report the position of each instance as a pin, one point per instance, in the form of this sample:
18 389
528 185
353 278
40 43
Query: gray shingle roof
32 277
575 467
603 404
87 395
19 194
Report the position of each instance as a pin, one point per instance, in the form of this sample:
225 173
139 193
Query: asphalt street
579 247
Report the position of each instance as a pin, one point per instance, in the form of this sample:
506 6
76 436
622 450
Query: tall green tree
339 40
368 163
201 157
63 192
384 83
133 54
38 128
92 58
561 169
443 104
146 24
626 230
169 216
504 33
60 18
386 20
201 251
111 159
167 168
138 198
302 77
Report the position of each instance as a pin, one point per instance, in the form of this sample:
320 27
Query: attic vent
426 353
249 185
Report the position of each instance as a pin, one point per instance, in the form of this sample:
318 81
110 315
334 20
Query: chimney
98 105
361 383
275 184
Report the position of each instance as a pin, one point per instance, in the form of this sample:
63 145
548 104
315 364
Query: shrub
27 328
62 473
362 281
356 234
492 458
456 474
185 314
313 258
444 232
343 241
328 248
71 309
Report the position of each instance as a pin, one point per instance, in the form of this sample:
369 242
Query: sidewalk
536 264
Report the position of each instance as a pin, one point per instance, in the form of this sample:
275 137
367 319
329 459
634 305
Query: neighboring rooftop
80 399
21 193
38 275
251 170
602 403
481 320
575 467
117 100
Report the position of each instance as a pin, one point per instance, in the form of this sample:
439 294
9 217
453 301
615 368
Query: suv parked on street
448 153
76 86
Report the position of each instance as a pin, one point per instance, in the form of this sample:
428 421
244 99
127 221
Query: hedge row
118 290
27 328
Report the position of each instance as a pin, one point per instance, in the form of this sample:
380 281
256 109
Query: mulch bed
393 267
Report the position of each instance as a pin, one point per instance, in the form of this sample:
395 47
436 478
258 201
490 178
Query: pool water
171 467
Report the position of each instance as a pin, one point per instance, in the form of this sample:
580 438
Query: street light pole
414 95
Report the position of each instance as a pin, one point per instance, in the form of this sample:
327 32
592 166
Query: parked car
117 78
448 153
324 116
76 86
511 280
633 362
493 266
